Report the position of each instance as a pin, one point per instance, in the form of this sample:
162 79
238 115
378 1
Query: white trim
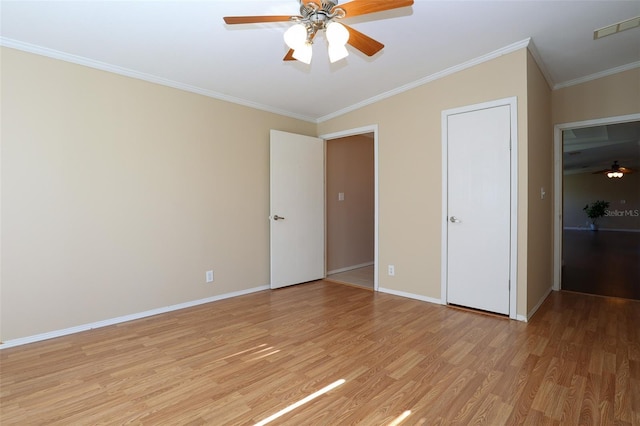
543 67
358 131
112 321
350 268
103 66
452 70
410 295
598 75
52 53
540 302
512 102
526 43
558 179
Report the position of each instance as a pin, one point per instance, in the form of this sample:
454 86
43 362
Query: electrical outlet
391 270
209 276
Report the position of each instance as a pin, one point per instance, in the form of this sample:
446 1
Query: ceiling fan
616 171
316 15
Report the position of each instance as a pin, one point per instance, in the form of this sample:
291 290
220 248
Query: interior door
296 208
479 209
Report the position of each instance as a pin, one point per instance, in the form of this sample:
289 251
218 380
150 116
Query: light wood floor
362 277
241 360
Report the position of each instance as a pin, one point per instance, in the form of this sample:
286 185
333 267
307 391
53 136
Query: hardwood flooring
606 263
362 277
240 361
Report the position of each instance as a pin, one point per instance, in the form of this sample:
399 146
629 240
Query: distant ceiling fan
616 171
316 15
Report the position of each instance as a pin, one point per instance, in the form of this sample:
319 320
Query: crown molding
541 65
598 75
428 79
526 43
103 66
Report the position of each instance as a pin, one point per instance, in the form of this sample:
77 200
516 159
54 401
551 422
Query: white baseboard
439 302
112 321
582 228
410 295
540 302
349 268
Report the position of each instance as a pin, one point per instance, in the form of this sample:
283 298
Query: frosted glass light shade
337 52
295 36
303 53
337 34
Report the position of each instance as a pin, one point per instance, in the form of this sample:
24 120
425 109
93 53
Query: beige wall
350 223
410 169
118 195
611 96
622 194
540 178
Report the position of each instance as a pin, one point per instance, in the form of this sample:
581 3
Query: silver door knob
276 217
454 219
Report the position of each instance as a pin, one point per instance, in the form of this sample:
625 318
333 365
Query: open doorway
351 214
599 258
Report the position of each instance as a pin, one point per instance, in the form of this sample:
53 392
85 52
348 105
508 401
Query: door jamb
352 132
558 179
512 102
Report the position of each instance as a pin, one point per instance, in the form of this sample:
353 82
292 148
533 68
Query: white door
297 208
479 209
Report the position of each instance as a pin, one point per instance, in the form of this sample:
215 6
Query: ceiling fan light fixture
303 53
337 52
316 15
615 175
337 34
296 36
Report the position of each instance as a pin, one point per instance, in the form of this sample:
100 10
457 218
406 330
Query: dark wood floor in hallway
391 360
604 262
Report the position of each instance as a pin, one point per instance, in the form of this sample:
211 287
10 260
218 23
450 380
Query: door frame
558 180
512 102
353 132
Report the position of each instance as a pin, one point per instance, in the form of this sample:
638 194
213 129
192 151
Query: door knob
276 217
454 219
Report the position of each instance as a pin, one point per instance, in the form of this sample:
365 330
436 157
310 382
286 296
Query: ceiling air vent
616 28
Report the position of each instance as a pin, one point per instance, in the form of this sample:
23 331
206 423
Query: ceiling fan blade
363 42
362 7
623 170
255 19
289 56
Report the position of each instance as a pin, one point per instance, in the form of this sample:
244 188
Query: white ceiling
593 149
186 44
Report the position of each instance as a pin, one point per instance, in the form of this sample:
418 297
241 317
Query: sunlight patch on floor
301 402
402 417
